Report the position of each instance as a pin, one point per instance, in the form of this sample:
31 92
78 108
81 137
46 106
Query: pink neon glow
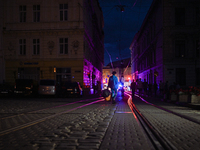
130 103
68 104
124 112
85 105
145 100
151 103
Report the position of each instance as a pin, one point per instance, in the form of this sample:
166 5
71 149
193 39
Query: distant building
123 69
167 46
48 39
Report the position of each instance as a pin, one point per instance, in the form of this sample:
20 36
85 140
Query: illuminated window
36 46
22 46
63 42
63 12
36 13
86 77
22 13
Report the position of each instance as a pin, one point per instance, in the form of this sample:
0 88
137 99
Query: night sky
120 27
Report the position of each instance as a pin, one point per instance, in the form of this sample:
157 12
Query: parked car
47 87
25 87
71 89
6 90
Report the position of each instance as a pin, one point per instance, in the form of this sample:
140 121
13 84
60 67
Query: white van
47 87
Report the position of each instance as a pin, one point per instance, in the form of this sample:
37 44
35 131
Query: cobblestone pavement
14 113
102 126
125 132
115 125
84 128
84 132
21 139
181 133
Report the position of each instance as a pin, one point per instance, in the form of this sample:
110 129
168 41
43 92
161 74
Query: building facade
48 39
167 46
123 70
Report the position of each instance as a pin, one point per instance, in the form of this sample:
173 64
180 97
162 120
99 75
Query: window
36 46
180 48
63 12
36 13
63 70
22 13
179 16
181 76
22 46
63 74
63 42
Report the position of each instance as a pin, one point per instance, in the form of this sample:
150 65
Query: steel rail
157 139
169 111
23 113
45 118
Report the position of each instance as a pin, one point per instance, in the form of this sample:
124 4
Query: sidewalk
124 131
161 98
191 111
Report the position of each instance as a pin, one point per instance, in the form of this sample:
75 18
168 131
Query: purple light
68 104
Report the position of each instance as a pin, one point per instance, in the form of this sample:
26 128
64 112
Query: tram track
164 136
157 140
46 111
60 123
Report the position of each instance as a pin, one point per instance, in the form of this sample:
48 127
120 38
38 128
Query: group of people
144 87
148 88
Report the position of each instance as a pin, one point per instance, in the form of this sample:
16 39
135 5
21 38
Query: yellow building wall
46 69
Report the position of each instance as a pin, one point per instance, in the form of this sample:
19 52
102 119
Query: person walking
133 87
113 84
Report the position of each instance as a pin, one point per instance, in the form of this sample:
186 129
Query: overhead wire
131 8
120 39
119 2
110 59
134 4
109 11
